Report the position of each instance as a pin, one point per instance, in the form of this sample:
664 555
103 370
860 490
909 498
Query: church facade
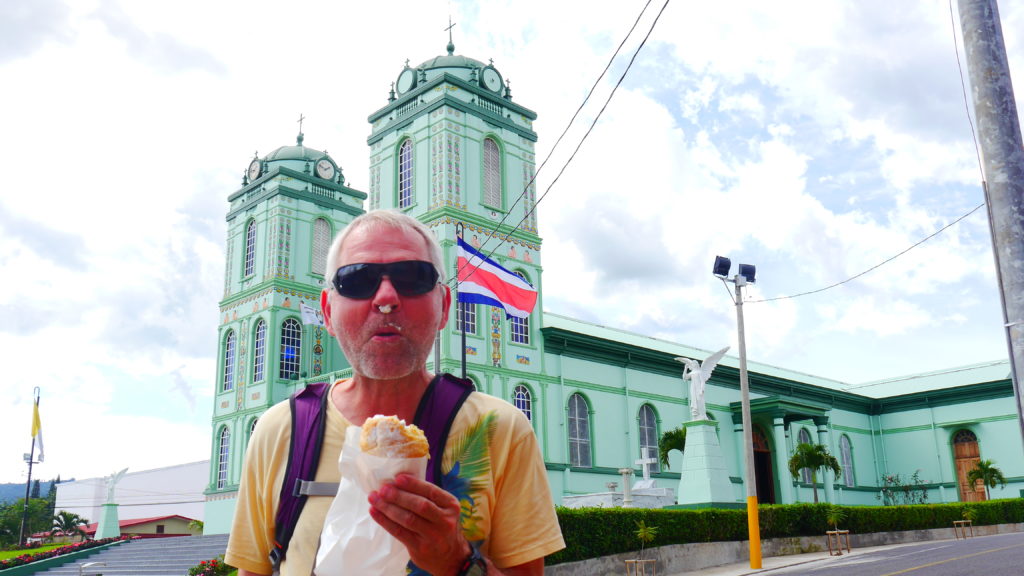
453 149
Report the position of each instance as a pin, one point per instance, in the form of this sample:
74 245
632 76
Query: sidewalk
774 562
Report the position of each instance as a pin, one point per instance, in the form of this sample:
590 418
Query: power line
565 131
977 152
533 208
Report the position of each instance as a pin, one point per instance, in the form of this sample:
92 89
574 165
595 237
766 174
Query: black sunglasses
409 277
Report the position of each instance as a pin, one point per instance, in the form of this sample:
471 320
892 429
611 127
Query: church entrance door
967 455
763 468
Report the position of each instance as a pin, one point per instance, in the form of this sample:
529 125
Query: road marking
952 559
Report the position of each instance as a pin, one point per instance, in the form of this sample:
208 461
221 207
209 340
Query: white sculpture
698 373
111 482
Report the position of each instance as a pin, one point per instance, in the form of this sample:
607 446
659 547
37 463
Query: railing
410 107
490 106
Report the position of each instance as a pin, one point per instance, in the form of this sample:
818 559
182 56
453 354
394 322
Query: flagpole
459 229
28 483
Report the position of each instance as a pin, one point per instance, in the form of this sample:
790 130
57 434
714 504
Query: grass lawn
4 555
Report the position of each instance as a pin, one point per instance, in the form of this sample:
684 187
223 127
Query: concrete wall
680 558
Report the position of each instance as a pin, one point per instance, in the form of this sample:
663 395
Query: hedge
596 532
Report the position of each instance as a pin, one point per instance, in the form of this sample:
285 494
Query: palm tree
68 524
813 456
671 440
986 471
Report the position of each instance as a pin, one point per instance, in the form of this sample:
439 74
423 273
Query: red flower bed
26 558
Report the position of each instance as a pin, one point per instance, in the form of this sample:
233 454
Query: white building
159 492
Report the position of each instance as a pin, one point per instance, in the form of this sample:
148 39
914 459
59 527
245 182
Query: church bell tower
280 225
451 148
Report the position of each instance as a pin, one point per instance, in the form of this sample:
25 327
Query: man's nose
386 294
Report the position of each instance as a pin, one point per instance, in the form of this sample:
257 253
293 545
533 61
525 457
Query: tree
671 440
35 489
813 457
986 471
68 524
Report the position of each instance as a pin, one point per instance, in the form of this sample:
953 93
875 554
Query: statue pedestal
108 527
704 482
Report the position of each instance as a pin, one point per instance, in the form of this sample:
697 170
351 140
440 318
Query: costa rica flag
484 281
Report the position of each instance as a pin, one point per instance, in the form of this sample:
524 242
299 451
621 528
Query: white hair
383 219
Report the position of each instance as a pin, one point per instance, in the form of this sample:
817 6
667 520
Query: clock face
492 80
254 170
406 80
325 169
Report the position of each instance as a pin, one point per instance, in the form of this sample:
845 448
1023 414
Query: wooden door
966 455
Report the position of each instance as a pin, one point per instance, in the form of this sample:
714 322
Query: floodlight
747 271
722 265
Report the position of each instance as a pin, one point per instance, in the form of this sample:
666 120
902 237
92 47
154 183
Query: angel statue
111 482
698 373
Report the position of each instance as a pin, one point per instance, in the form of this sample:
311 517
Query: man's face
385 346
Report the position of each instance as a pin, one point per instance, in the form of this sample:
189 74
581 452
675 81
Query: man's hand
425 519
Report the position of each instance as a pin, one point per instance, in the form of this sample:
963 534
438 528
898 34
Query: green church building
451 147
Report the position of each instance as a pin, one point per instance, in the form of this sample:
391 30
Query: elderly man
384 304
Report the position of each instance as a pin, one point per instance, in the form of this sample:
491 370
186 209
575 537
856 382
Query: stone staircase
150 556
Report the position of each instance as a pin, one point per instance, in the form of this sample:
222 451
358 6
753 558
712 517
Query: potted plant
834 515
645 534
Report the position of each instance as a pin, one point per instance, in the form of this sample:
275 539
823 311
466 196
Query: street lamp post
745 276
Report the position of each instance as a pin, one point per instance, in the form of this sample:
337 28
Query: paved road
997 555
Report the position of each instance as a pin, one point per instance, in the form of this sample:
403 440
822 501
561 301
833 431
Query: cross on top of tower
451 45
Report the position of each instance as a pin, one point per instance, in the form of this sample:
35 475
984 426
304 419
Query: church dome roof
457 65
297 152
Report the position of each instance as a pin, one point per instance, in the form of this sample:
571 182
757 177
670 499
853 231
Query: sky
812 139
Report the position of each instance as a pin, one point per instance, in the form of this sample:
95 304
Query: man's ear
446 304
325 307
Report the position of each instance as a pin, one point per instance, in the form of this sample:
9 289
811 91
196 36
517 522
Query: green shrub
596 532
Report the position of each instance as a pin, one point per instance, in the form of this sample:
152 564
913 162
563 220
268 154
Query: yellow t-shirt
492 464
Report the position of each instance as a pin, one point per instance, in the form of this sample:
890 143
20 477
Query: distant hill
11 492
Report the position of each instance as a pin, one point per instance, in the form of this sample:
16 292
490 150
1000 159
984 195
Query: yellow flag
37 430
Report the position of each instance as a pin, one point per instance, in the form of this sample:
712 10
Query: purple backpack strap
435 415
309 420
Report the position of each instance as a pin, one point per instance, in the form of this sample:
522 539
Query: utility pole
1002 152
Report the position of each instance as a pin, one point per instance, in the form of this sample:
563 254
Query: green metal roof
297 152
994 371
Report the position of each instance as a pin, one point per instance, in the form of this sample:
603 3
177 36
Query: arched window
250 249
523 401
649 436
846 460
492 174
229 362
579 432
321 244
520 327
252 426
405 174
223 454
259 355
291 349
804 437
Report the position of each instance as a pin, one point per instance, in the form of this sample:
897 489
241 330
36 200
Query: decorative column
782 461
827 476
627 488
737 429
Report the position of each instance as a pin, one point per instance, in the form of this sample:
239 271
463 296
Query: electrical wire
564 131
454 281
981 170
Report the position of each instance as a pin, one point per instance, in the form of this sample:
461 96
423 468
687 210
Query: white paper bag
351 541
